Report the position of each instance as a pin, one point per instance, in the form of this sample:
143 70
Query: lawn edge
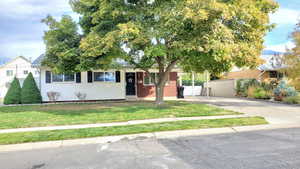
155 135
55 135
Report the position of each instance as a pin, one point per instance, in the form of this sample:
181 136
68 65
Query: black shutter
118 76
48 77
78 77
90 77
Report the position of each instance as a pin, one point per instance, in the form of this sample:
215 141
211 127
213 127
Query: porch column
193 83
207 83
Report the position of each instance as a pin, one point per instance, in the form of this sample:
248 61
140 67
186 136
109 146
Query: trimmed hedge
30 93
13 95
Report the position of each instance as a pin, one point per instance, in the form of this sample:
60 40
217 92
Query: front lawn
104 112
14 138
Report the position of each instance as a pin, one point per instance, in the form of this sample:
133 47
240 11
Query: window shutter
90 77
48 77
78 77
118 77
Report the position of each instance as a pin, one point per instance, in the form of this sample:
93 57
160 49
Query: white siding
18 66
94 91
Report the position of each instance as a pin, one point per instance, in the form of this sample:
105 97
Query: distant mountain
270 52
4 60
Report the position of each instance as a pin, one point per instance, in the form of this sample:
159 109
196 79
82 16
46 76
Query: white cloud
285 16
281 47
25 8
29 49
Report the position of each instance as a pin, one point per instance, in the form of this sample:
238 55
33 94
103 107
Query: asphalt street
269 149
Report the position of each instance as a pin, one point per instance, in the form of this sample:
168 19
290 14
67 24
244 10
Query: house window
149 80
104 77
273 74
9 73
63 77
154 78
25 72
69 77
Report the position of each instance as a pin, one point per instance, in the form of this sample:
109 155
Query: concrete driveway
275 113
268 149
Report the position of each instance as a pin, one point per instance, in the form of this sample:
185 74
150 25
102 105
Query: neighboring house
19 67
261 74
124 83
266 72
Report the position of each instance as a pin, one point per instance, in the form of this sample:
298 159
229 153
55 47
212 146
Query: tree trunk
159 91
162 80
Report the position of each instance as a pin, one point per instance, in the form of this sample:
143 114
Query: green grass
70 114
14 138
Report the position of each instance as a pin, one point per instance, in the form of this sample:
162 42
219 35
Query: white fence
192 90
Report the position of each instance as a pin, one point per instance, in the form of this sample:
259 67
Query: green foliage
261 93
196 35
30 93
190 82
262 89
291 59
243 86
62 44
13 95
199 35
292 100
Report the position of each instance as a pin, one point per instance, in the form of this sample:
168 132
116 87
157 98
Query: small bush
251 91
30 93
13 95
292 100
53 96
243 85
284 90
258 93
81 96
261 93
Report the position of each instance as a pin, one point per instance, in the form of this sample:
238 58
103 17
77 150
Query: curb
156 135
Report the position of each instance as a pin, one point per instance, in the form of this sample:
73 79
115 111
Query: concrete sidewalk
156 135
274 113
135 122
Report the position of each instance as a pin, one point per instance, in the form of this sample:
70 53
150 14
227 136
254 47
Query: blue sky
21 31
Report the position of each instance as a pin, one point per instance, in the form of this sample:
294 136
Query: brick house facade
144 91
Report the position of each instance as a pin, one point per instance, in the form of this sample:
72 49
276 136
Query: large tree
292 59
196 35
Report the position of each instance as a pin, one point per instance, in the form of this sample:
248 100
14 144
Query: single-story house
93 85
258 74
265 72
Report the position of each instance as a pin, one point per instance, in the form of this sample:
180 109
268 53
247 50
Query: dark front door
130 84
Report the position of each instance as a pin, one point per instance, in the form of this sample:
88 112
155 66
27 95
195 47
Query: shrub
13 95
251 91
30 93
80 96
292 100
261 93
284 90
53 96
243 85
